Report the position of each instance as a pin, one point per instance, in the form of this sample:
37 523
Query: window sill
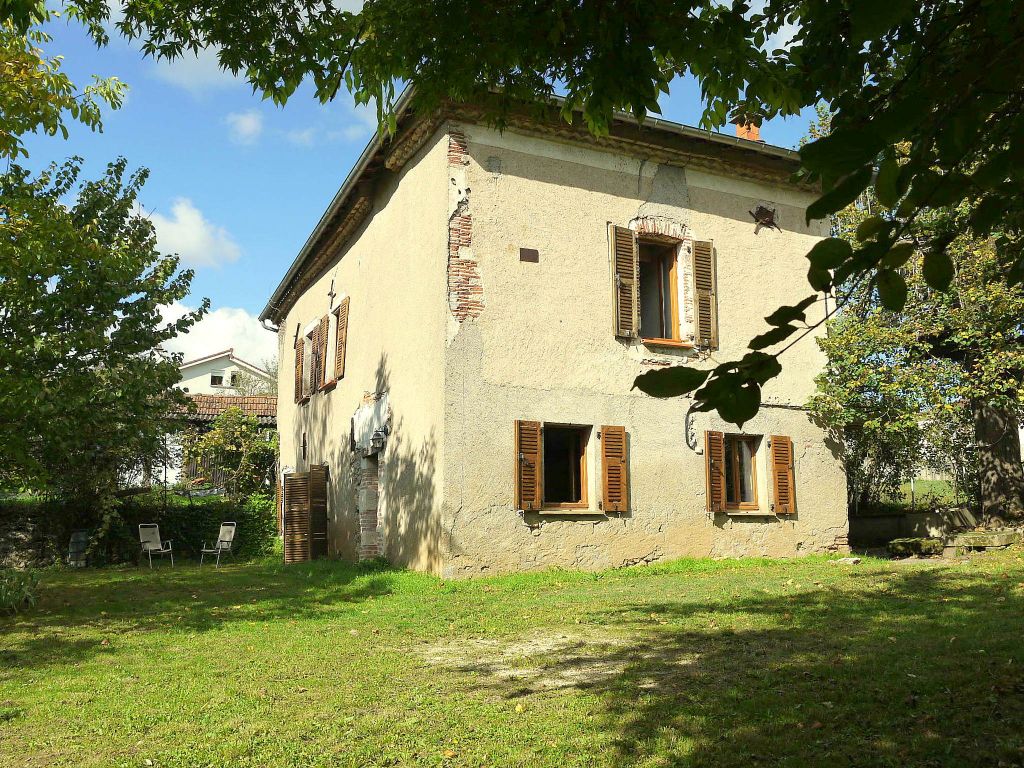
582 511
753 512
675 343
329 385
304 400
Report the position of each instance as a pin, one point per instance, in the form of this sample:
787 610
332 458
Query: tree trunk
1000 474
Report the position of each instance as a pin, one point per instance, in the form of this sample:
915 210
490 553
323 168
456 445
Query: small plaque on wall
529 254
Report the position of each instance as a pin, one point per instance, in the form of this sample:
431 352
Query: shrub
17 590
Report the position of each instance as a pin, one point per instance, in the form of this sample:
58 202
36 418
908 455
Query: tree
36 95
938 379
251 384
84 400
891 72
239 449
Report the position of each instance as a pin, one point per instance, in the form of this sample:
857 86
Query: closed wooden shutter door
296 518
298 368
626 264
705 302
321 352
529 469
783 488
318 511
615 469
341 340
714 458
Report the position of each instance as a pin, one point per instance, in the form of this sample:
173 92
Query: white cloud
245 127
196 73
190 235
219 329
303 138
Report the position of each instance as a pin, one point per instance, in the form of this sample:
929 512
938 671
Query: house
218 373
460 334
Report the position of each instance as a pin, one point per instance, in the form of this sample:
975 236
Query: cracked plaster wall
542 348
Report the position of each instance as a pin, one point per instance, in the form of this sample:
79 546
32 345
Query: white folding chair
149 537
225 539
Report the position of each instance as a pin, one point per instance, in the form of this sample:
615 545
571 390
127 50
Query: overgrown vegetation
237 449
17 590
36 531
723 664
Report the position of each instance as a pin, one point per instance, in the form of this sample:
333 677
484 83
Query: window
552 468
565 466
659 292
217 379
234 378
741 471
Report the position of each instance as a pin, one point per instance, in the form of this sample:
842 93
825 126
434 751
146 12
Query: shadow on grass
922 668
186 599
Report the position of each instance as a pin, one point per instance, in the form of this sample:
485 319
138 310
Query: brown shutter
615 469
318 511
783 488
626 263
321 346
705 302
714 458
529 469
341 340
298 368
296 518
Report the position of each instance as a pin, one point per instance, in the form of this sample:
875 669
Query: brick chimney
748 131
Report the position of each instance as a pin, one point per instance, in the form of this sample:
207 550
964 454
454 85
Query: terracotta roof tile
209 407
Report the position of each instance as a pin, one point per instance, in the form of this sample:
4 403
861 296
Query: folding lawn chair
225 539
149 537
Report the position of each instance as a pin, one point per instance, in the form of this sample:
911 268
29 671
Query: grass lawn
732 663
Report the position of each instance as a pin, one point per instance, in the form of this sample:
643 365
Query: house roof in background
230 354
209 407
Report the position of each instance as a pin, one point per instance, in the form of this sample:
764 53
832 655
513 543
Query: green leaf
871 227
898 255
938 269
870 19
892 289
987 213
670 382
829 253
843 151
841 195
887 182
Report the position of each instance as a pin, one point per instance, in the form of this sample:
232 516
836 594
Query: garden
696 662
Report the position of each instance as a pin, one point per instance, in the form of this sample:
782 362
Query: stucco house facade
460 334
218 373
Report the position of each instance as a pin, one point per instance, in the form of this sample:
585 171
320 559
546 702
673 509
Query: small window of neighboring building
217 379
659 292
565 466
741 471
234 378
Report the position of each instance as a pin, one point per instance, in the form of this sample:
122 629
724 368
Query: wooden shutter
296 518
705 302
626 266
318 511
783 489
298 368
714 458
529 467
615 469
341 340
321 353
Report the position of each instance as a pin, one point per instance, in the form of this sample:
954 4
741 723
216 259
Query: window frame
584 502
670 250
220 375
732 442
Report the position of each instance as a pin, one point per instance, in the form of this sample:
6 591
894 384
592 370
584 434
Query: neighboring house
219 373
460 334
205 410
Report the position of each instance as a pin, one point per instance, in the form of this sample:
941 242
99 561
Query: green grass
732 663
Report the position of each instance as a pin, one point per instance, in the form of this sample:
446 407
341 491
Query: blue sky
236 183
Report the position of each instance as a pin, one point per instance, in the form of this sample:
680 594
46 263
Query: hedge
36 532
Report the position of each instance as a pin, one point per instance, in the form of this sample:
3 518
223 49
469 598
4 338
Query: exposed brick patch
666 227
370 545
465 288
658 225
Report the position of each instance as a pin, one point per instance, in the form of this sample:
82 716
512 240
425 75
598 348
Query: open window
741 471
552 465
565 466
659 292
217 378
